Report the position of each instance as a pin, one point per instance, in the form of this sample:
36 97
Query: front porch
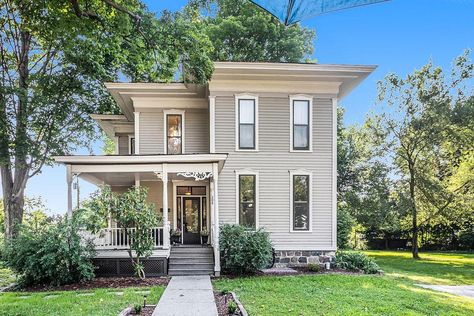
184 185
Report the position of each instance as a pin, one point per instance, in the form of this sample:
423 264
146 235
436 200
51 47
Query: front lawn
394 293
432 268
90 302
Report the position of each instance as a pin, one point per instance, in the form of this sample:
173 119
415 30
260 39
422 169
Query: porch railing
120 238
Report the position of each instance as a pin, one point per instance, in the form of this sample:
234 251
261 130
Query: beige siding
123 145
151 133
196 131
273 162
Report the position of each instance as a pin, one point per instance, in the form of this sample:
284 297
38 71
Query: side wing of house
292 159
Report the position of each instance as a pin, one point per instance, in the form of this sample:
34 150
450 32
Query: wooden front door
191 220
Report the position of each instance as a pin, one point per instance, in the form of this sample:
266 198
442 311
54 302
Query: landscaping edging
241 307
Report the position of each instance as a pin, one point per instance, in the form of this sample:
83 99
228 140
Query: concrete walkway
461 290
187 295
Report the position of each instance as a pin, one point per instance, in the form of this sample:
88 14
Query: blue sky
398 36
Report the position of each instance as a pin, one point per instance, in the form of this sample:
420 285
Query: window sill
248 150
301 151
301 231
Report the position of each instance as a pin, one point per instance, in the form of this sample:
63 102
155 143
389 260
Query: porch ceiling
124 178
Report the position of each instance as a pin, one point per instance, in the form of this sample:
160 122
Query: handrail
119 238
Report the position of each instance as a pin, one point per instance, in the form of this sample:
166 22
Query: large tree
241 31
430 138
55 56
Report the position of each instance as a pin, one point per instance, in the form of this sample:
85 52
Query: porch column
166 223
69 190
215 216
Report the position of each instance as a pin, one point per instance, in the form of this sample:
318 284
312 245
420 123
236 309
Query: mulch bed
222 302
146 311
103 283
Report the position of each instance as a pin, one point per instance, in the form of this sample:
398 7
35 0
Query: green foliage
137 309
108 146
429 141
344 226
314 267
356 261
231 307
51 254
244 251
241 31
131 211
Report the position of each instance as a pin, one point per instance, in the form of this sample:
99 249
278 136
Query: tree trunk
414 246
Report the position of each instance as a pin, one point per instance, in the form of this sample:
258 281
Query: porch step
191 260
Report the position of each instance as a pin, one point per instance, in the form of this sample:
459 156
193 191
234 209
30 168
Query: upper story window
247 199
174 132
246 123
301 124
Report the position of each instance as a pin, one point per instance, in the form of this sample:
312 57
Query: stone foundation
295 258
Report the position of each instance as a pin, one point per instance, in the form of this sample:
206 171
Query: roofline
144 159
294 66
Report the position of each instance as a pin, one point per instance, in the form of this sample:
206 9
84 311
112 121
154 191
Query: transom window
247 200
174 127
246 108
301 125
301 202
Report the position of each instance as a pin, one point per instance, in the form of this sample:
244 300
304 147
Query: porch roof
124 169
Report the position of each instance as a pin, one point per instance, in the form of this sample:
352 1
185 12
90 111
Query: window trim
246 172
309 99
165 129
293 173
239 97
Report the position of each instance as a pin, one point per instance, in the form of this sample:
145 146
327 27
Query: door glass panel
178 204
199 190
191 215
204 214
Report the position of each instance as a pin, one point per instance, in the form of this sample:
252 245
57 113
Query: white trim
244 172
247 97
130 137
310 210
217 260
212 125
334 173
165 132
137 132
141 159
302 97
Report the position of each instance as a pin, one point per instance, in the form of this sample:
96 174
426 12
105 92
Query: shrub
356 261
137 309
314 267
231 308
244 251
53 254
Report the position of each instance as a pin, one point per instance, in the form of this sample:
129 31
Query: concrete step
191 266
191 260
191 250
190 272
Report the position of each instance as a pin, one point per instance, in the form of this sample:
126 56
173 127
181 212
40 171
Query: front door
191 220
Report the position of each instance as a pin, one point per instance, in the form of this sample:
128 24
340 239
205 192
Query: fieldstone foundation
295 258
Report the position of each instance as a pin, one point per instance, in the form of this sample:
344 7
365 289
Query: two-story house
255 146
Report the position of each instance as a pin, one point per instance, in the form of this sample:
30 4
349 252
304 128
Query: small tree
130 211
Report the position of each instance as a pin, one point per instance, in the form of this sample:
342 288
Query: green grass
94 302
433 268
394 293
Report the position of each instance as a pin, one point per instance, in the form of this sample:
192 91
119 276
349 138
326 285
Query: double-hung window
301 201
247 200
174 132
301 127
246 123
